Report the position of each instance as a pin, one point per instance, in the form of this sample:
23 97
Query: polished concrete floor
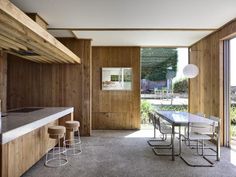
127 154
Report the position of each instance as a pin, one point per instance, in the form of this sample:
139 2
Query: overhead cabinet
21 36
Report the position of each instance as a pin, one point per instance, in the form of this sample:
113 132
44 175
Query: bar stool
56 156
72 142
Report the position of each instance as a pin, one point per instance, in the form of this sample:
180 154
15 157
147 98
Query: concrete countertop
16 124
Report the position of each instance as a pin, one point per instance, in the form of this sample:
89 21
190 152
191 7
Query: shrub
183 108
146 107
233 130
233 114
181 86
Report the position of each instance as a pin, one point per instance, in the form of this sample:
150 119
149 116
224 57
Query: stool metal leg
73 146
54 156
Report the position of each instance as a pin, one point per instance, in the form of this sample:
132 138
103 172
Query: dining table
184 119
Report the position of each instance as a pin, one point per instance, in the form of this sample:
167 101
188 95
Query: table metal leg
154 128
218 148
180 141
172 142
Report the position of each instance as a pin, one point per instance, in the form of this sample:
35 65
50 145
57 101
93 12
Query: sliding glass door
230 92
232 57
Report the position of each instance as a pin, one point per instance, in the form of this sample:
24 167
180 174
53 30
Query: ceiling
133 22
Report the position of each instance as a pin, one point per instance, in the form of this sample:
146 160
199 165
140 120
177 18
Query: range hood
21 36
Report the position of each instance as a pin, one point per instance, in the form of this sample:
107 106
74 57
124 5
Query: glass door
230 92
232 123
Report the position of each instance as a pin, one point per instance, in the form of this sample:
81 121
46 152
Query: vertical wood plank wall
3 80
33 84
115 109
206 90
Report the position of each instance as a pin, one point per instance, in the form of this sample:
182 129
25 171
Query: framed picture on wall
116 78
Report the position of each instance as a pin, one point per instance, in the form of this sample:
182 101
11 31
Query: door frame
227 90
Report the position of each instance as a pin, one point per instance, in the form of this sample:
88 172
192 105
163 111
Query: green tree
157 62
181 86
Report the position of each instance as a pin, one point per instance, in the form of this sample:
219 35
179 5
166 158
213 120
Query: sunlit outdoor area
163 85
233 92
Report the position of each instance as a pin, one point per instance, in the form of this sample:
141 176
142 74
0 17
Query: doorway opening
163 85
232 56
230 92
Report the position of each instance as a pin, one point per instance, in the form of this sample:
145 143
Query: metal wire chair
165 130
201 132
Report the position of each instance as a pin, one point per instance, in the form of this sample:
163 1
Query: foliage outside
233 120
233 130
233 114
183 108
181 86
146 107
158 63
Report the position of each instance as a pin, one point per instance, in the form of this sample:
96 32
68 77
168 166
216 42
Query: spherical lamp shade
191 71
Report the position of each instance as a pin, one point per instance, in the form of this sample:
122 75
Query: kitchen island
24 138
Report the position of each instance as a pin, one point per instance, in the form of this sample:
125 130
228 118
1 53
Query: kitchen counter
24 137
16 124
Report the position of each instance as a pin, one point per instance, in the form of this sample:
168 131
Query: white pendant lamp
190 71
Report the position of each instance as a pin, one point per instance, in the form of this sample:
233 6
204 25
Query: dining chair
216 136
161 126
165 129
193 128
201 132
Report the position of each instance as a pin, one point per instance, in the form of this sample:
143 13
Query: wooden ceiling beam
18 31
38 19
25 57
40 58
31 33
4 47
9 45
4 43
40 50
13 45
3 38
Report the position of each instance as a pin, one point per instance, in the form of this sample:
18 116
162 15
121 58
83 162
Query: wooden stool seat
56 131
72 125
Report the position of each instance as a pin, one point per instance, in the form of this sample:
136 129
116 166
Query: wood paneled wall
33 84
206 90
116 109
3 80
